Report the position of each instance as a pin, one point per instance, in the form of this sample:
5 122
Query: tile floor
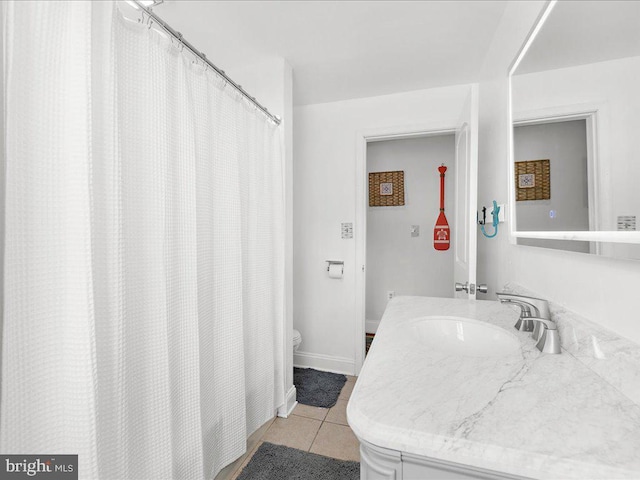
317 430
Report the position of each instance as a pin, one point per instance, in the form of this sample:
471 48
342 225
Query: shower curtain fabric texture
144 250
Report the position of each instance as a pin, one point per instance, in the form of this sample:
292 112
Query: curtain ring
180 40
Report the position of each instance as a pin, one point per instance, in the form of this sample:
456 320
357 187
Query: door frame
590 113
362 196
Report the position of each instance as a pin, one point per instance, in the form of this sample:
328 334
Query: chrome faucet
535 317
529 307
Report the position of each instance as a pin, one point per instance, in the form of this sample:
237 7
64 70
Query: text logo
50 467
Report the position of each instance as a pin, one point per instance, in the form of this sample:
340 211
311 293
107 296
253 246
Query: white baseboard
326 363
371 326
290 403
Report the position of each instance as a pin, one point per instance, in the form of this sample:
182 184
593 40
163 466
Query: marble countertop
528 413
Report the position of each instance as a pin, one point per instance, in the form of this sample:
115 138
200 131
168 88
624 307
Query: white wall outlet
502 214
390 294
415 230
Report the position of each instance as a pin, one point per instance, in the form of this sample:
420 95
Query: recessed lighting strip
178 36
534 33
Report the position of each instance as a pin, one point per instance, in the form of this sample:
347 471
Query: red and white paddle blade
441 233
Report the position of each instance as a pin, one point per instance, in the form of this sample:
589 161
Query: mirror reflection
576 105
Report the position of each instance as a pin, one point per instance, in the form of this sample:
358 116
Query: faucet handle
549 340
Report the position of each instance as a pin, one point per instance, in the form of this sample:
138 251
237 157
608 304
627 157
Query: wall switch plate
626 222
415 230
347 230
502 214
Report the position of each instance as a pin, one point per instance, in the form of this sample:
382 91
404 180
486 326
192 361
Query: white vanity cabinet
378 463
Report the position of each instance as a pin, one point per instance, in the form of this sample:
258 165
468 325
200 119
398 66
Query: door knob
471 287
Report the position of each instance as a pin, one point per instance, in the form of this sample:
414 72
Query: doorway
400 256
464 130
568 142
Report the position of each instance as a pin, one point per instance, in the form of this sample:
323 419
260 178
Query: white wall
595 287
396 261
564 144
326 140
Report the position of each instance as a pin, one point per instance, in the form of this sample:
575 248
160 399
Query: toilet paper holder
334 262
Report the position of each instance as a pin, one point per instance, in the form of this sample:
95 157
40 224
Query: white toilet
297 340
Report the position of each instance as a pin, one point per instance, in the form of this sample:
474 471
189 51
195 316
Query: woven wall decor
386 189
533 180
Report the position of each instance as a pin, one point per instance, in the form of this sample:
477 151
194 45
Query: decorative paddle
441 232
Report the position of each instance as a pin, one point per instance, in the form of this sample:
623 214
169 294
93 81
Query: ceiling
579 33
344 49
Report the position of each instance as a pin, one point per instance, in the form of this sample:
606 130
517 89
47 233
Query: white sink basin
462 336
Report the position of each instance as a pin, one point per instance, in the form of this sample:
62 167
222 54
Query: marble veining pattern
527 413
614 358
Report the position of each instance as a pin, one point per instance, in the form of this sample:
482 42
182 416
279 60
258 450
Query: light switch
347 230
626 222
415 230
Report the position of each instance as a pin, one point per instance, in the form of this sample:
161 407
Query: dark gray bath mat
277 462
316 388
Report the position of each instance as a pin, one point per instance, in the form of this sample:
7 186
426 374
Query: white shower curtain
143 233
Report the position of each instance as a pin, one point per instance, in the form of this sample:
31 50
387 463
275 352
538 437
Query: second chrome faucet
536 318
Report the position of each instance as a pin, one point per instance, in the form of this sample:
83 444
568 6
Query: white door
464 233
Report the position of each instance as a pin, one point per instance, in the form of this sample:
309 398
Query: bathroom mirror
575 106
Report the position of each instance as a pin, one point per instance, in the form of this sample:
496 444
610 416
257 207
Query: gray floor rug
277 462
316 388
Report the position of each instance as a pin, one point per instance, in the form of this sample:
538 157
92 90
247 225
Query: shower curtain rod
178 36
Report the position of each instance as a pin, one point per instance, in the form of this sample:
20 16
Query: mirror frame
612 236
